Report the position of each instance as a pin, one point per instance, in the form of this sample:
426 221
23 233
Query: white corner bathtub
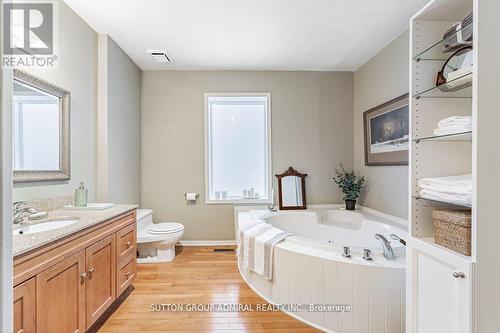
308 268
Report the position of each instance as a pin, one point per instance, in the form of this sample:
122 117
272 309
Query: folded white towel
452 130
256 247
455 120
461 184
458 199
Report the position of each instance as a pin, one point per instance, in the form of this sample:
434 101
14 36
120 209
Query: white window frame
268 155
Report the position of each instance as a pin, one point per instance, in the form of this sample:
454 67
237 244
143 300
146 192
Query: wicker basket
452 229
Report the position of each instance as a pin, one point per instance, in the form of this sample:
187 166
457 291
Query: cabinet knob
128 244
458 275
127 274
91 271
83 276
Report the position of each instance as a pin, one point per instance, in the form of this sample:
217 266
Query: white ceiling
326 35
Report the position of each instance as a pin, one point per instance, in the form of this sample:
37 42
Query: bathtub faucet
386 245
271 208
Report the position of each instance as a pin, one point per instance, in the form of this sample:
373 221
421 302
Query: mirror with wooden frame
292 190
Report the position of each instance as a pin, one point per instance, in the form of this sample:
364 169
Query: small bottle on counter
81 195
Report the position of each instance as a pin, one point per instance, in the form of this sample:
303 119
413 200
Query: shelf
434 92
431 242
455 137
416 197
434 52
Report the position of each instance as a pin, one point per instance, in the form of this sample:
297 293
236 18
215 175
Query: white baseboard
207 242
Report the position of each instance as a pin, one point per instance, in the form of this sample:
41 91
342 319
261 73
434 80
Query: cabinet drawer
125 274
126 242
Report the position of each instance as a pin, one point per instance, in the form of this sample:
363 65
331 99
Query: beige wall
123 127
311 130
383 77
76 72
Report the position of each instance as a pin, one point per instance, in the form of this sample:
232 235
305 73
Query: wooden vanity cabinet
66 286
24 307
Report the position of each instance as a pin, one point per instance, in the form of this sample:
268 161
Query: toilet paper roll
191 196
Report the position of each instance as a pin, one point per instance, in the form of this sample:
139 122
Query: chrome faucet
271 208
20 209
386 245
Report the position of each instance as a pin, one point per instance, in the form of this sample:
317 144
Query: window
238 148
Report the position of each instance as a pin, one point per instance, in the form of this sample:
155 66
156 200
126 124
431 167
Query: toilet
156 241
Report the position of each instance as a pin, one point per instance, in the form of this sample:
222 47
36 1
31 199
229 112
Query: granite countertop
86 219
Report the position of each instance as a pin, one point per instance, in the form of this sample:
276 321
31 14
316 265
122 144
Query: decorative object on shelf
452 229
458 35
456 73
386 130
350 184
292 189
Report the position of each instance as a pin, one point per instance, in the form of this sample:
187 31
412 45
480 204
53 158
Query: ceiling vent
160 56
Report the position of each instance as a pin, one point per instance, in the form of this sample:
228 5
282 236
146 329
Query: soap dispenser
81 195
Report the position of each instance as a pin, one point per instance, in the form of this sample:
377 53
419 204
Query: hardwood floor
197 276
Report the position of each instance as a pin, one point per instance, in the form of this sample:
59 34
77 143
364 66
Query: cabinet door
101 271
439 291
24 307
60 297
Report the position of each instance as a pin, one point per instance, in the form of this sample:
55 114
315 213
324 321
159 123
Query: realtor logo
29 34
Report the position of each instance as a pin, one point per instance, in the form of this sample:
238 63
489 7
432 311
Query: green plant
349 183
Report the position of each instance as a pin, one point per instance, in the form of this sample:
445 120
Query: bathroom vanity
64 280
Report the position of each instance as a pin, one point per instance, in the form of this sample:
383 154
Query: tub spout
386 245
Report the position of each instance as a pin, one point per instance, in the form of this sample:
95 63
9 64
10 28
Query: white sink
44 226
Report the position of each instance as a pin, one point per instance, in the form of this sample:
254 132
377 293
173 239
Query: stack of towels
256 244
454 124
452 189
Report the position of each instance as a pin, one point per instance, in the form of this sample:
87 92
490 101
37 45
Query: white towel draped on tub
256 246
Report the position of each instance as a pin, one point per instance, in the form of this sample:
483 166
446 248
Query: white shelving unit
446 291
437 301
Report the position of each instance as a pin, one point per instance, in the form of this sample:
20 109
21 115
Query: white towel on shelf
452 130
458 199
455 120
461 184
454 124
256 247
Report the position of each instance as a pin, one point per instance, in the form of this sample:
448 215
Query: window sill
238 201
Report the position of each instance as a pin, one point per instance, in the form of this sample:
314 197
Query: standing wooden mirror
292 189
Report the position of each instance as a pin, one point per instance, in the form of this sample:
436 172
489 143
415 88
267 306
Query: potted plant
350 184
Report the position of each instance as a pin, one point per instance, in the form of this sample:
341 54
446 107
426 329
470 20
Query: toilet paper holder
191 196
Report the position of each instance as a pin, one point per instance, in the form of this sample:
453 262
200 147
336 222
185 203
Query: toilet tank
144 218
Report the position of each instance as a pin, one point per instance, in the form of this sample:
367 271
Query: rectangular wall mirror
40 130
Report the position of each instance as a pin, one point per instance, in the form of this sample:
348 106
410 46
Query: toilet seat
164 228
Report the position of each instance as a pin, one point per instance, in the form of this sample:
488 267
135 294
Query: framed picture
386 129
